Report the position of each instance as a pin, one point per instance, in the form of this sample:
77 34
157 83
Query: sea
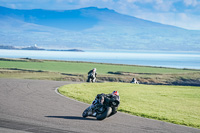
190 60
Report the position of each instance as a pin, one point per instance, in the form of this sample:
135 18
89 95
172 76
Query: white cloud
164 6
191 2
86 1
187 21
159 1
131 1
13 6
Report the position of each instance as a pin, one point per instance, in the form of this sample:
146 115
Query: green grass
83 68
175 104
77 71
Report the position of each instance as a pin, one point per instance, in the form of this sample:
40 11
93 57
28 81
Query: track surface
33 106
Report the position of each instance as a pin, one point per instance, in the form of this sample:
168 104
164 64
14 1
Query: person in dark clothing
92 74
106 98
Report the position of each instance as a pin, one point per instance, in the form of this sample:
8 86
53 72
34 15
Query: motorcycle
96 109
91 77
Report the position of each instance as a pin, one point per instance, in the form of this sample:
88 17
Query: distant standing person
92 74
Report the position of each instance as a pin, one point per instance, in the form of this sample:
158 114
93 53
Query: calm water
163 59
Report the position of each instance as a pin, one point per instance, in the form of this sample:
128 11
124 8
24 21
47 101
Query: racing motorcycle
96 109
91 77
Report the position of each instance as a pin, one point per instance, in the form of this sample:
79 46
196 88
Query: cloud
163 11
164 6
191 2
13 6
187 21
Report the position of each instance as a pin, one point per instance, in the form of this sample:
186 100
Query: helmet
115 93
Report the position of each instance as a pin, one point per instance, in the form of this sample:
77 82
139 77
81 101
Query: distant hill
91 28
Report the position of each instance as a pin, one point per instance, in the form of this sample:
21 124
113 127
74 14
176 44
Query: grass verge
175 104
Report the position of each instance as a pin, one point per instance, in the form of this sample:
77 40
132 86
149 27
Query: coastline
5 47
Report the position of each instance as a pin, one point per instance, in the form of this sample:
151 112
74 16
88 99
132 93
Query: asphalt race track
34 106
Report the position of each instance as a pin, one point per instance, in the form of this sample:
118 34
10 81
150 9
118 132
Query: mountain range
91 28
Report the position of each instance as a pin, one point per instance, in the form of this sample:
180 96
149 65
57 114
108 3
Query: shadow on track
71 117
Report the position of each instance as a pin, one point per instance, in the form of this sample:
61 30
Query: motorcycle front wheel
85 113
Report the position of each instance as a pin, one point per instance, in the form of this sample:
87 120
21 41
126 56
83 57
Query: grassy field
175 104
82 67
77 71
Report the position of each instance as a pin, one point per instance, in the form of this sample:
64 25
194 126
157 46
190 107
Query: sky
180 13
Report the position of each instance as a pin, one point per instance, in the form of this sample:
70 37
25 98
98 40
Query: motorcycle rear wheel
105 114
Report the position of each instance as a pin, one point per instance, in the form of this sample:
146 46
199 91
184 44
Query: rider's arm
89 72
100 95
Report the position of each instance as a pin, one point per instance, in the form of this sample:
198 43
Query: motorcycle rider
106 98
93 71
